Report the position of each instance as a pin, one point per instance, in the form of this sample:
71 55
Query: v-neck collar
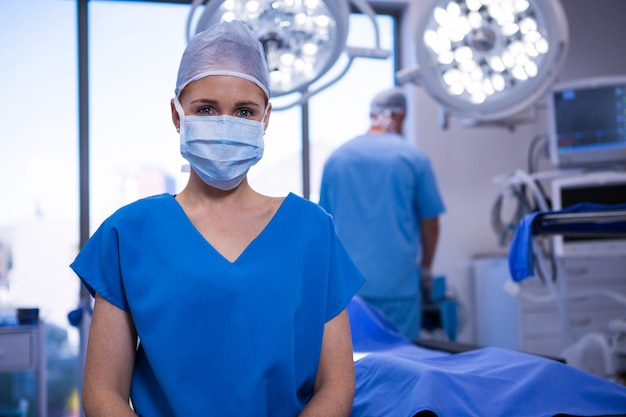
273 219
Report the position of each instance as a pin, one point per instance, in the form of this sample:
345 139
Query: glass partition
39 186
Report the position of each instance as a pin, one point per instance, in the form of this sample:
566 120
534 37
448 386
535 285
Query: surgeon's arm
334 385
430 236
109 362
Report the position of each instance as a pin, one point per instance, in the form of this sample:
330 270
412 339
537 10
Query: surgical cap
392 100
226 48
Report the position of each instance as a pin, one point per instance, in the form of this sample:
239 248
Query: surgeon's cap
226 48
392 100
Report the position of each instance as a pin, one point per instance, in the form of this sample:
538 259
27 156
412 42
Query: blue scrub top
378 188
221 338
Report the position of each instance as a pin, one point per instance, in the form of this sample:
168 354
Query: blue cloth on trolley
396 378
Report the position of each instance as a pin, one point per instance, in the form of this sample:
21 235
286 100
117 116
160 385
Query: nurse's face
217 95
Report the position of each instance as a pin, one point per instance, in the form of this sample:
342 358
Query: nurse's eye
206 111
245 113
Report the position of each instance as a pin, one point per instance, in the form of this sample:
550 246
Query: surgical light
488 60
302 39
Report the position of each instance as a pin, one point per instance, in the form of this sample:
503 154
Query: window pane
39 184
134 51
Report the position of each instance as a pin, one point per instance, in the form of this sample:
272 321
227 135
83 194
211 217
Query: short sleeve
429 201
344 278
98 265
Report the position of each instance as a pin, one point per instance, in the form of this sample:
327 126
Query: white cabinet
22 348
539 327
496 313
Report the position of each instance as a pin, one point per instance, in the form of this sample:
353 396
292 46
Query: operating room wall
466 160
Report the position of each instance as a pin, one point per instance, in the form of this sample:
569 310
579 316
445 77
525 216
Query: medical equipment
587 123
566 225
596 351
586 131
529 196
595 187
587 234
488 62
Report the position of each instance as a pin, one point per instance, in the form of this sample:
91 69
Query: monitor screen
587 123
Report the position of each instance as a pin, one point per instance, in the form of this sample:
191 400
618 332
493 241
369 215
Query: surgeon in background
383 196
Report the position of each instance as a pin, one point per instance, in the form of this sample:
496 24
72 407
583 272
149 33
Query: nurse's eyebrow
204 101
243 103
247 103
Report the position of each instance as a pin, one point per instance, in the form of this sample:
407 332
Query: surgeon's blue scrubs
221 338
378 188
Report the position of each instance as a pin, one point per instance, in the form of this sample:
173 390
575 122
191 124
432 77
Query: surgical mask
221 149
385 121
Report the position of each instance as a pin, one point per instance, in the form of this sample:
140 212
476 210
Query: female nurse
219 301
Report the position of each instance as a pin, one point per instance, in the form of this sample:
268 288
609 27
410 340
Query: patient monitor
587 123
